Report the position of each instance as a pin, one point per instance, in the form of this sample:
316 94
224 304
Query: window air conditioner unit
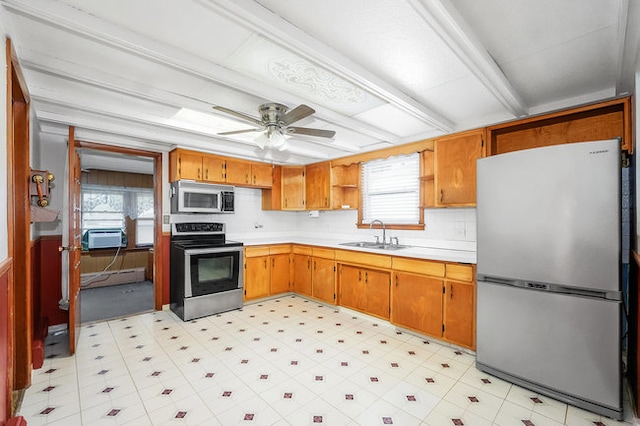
103 238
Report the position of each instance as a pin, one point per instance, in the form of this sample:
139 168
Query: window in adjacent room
391 190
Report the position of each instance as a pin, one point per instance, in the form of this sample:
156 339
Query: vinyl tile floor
284 361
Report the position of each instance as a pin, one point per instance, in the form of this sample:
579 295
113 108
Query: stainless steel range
206 270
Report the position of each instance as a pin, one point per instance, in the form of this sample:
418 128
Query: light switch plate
166 219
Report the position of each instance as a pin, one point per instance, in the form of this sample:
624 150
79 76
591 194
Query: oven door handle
222 249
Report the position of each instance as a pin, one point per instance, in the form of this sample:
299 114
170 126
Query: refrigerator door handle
500 280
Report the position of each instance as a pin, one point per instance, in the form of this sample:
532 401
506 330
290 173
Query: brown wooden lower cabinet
365 290
257 277
417 302
280 273
431 297
459 313
302 274
323 279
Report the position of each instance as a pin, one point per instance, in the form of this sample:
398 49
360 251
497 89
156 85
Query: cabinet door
238 172
261 175
279 273
455 168
324 279
459 313
375 292
214 169
256 277
190 166
318 186
350 286
293 188
416 303
302 274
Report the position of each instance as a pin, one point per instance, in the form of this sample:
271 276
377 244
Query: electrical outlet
166 219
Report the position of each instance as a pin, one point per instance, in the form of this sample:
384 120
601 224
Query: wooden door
293 188
214 169
455 168
416 302
280 267
350 284
317 186
324 279
262 175
256 277
375 292
75 242
459 313
190 166
238 172
302 274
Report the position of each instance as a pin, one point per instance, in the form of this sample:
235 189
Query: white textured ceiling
378 72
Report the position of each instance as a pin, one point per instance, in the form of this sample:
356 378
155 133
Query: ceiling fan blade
241 115
298 113
235 132
311 132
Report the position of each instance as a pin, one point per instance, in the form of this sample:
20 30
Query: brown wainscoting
50 279
6 351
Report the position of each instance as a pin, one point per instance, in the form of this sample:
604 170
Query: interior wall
445 228
51 155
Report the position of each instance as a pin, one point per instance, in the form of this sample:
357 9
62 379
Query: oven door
212 270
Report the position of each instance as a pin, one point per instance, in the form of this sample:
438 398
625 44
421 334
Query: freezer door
570 344
551 215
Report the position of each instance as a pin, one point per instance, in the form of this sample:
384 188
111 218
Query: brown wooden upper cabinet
455 168
598 121
318 186
214 169
293 188
185 164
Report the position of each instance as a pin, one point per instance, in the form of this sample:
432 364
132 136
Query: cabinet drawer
368 259
423 267
256 251
460 272
280 249
305 250
324 253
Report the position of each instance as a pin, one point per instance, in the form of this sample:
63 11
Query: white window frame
391 190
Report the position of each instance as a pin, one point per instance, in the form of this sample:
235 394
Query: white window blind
391 190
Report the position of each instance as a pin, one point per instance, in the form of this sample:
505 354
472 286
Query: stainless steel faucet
384 230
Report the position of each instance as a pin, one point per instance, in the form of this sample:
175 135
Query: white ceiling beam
280 31
91 119
447 22
60 15
628 41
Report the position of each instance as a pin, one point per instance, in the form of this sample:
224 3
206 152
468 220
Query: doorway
121 232
117 210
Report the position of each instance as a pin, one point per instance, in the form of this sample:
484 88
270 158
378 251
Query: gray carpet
103 303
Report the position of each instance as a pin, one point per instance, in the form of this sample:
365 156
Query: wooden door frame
158 265
19 221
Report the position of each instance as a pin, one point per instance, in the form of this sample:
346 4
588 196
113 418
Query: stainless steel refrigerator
549 294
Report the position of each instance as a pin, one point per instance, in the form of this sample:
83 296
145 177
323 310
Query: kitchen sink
370 245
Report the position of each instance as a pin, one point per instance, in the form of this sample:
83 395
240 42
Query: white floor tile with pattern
285 361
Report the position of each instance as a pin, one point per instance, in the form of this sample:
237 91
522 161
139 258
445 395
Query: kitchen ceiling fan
275 123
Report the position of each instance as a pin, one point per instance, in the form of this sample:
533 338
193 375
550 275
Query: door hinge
443 328
444 290
482 139
334 296
334 268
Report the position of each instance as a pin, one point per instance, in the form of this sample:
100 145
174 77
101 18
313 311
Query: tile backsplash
444 228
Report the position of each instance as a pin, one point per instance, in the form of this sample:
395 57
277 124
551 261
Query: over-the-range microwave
188 196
